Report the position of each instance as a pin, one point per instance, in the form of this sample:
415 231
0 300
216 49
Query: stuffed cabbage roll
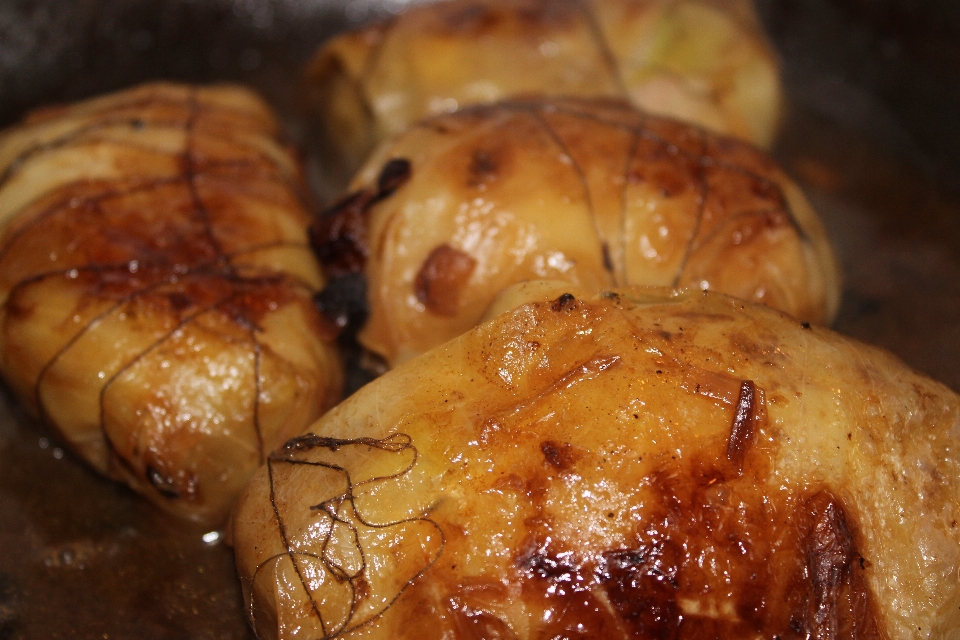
593 192
706 61
156 288
629 465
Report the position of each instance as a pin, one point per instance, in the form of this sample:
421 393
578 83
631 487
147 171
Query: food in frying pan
706 61
156 287
633 464
446 215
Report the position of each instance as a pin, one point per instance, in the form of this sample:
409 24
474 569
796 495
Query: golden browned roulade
593 192
156 288
706 61
634 464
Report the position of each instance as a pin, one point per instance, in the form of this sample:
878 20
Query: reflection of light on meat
635 464
685 208
157 288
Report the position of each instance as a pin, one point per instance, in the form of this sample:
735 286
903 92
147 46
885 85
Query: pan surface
871 133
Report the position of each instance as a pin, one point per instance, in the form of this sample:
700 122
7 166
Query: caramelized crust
591 192
637 464
704 61
156 288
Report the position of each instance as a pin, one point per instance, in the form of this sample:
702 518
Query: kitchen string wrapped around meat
632 464
156 288
706 61
443 217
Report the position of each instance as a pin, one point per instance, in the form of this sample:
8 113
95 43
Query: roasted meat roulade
706 61
156 288
634 464
593 192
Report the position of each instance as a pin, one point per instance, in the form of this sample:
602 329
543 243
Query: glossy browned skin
702 61
156 288
592 192
630 465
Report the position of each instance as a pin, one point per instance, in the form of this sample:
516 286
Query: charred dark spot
395 173
840 596
179 301
165 485
344 301
564 302
559 455
829 544
743 429
442 277
540 561
482 169
792 564
805 325
641 584
607 260
339 235
138 124
361 588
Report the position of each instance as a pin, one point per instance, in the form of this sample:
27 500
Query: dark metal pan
872 134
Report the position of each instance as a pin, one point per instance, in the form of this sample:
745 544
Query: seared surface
896 229
623 466
591 192
156 288
706 62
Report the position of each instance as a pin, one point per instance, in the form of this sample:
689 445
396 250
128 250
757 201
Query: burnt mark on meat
344 301
483 168
165 485
538 559
179 301
743 429
170 487
339 236
394 174
641 584
560 455
607 260
565 302
840 593
714 556
441 279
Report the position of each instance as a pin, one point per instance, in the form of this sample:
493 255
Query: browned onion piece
156 288
636 464
592 192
